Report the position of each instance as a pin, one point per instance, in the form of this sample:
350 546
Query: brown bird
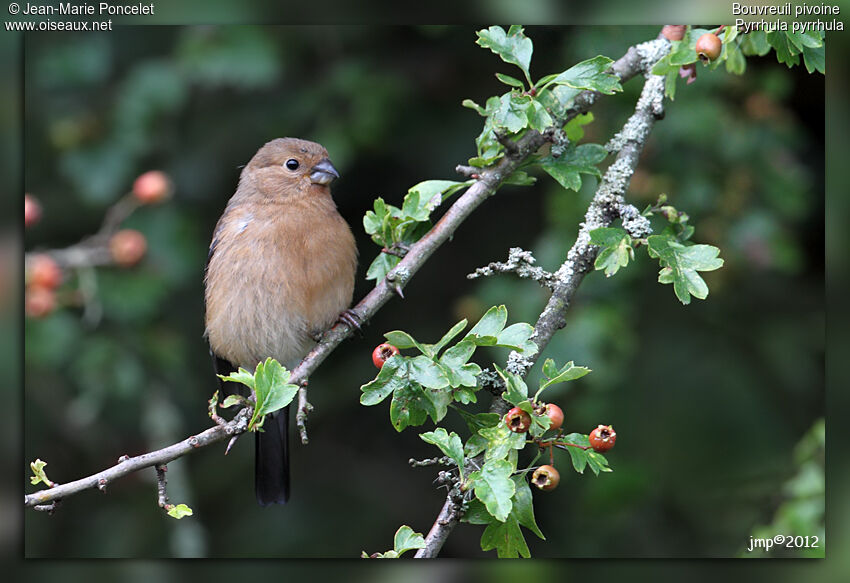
280 270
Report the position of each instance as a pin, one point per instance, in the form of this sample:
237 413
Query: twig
519 262
304 408
127 465
161 496
432 461
603 209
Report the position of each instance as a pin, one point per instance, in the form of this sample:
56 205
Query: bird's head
285 164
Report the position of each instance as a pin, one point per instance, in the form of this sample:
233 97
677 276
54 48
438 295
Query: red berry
39 302
44 272
602 438
556 416
708 47
546 478
32 210
673 31
518 420
153 186
382 353
127 247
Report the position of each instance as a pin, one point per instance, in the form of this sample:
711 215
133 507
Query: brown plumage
280 270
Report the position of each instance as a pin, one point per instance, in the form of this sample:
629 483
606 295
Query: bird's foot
351 319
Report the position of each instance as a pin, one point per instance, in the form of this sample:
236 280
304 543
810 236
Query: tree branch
128 465
607 205
489 180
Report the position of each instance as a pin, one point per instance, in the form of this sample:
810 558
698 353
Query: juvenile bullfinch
280 270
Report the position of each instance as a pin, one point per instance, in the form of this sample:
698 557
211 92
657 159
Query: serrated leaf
785 51
512 114
755 43
574 129
407 540
450 335
381 266
815 59
401 339
736 63
468 103
566 169
477 513
272 387
480 420
449 443
241 376
592 75
616 249
516 336
520 178
427 373
409 407
523 506
516 390
569 372
179 511
392 376
39 475
490 324
506 537
681 264
512 46
501 440
494 487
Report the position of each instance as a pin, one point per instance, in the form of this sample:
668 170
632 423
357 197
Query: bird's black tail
271 459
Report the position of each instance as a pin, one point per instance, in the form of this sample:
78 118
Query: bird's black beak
323 173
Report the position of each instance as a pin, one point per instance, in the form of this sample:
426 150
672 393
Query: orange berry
39 301
127 247
151 187
43 271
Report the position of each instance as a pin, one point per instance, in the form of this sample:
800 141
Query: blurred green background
710 401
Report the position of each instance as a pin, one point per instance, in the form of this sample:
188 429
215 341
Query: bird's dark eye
292 164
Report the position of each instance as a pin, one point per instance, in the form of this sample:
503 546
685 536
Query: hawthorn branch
607 205
127 465
91 252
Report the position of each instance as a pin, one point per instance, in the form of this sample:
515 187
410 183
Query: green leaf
516 336
179 511
785 51
583 458
520 178
401 340
515 388
409 407
512 114
513 47
523 506
480 420
569 372
450 335
272 386
449 443
231 400
381 266
574 129
427 373
591 74
240 376
454 365
500 441
39 475
494 487
510 81
681 263
490 324
566 169
815 59
506 537
472 105
616 249
755 43
393 376
477 513
407 540
736 63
